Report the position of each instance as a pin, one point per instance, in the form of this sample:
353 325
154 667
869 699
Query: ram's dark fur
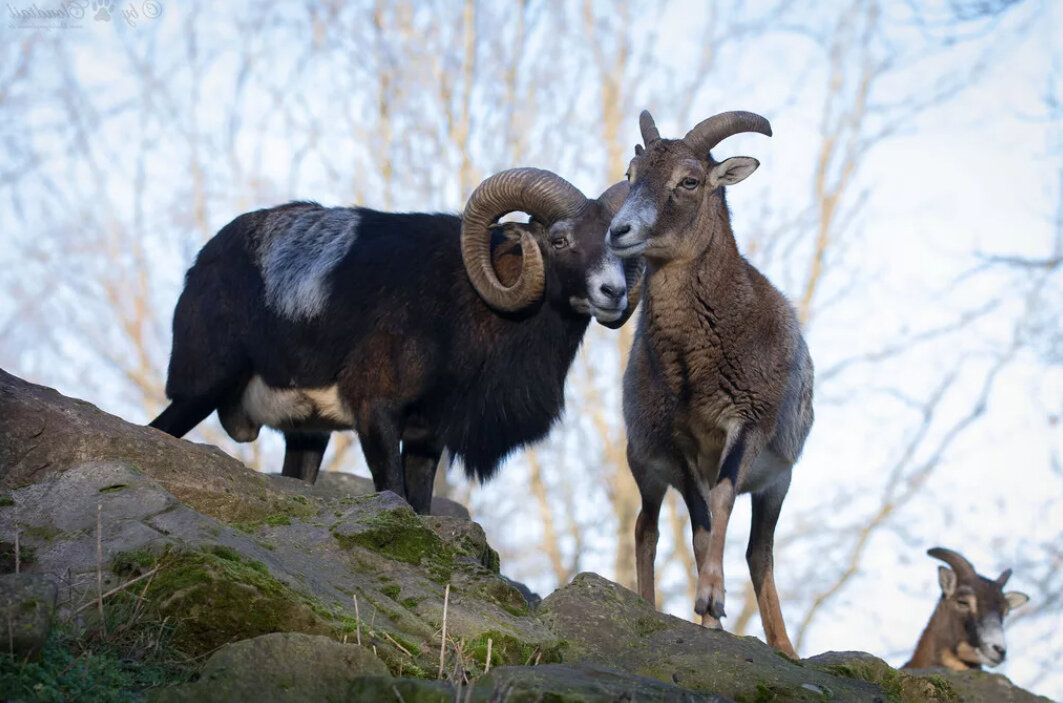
397 328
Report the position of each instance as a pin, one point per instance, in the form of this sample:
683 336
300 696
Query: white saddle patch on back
298 250
290 408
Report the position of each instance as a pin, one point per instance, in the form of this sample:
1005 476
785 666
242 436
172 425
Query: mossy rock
507 650
604 624
386 524
898 686
216 597
552 683
278 668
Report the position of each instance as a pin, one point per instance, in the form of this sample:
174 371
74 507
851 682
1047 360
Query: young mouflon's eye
964 603
689 183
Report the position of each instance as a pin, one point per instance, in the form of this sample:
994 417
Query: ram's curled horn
614 196
545 196
708 133
648 128
963 568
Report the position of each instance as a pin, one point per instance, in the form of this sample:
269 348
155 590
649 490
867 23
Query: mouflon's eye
689 183
963 603
559 243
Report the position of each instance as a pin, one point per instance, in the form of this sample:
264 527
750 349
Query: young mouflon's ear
1015 599
947 579
733 170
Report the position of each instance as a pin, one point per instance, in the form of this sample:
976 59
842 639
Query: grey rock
532 684
604 624
340 484
43 433
283 667
27 605
582 682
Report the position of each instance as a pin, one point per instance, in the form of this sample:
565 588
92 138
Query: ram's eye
689 183
559 243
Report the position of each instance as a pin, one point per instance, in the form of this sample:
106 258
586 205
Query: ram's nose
612 291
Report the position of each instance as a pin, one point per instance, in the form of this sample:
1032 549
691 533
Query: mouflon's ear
734 170
947 579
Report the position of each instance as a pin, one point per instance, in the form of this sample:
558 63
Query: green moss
897 686
411 603
215 597
132 562
391 592
648 625
278 520
941 686
42 532
507 650
6 500
491 588
399 534
114 488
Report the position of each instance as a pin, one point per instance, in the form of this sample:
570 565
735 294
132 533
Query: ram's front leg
379 433
421 452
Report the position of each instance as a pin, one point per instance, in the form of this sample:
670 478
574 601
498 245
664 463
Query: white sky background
973 175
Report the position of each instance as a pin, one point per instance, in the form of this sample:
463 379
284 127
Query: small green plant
115 663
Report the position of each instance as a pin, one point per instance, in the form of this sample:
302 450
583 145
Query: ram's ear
513 231
734 170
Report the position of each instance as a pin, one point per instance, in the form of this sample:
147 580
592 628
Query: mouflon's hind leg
767 505
303 452
646 529
182 415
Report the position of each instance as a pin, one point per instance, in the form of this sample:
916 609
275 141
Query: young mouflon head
976 607
672 182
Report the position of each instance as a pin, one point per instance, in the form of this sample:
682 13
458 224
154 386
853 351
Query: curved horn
614 196
1003 578
542 194
648 128
708 133
959 564
634 272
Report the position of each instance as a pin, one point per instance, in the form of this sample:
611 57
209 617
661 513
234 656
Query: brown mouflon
718 391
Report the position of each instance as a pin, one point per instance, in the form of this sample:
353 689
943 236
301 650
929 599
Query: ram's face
582 272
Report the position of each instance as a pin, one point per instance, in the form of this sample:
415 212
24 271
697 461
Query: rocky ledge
222 584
